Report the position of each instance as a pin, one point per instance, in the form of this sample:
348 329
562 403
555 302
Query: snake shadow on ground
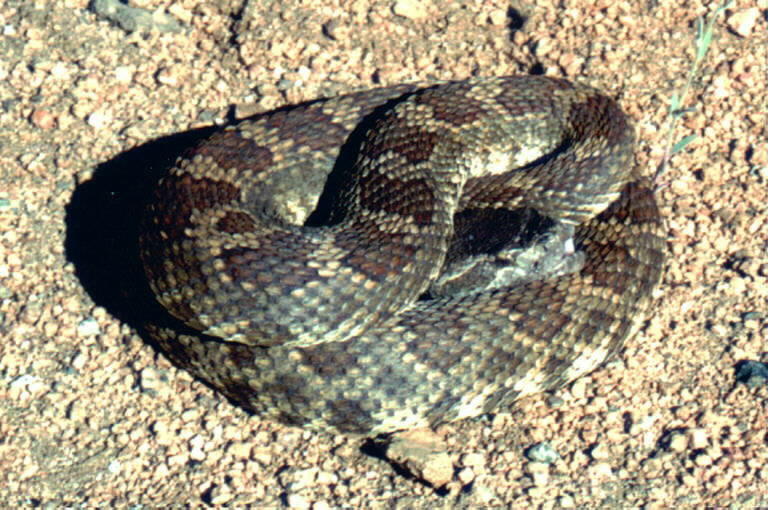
102 227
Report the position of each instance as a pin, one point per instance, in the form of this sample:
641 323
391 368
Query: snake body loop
297 252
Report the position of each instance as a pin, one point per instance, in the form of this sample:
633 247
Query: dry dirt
91 415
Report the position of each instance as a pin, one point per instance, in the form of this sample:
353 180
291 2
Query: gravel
92 415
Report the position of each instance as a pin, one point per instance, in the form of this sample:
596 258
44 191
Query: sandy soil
91 415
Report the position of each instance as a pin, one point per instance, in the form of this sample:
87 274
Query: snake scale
296 251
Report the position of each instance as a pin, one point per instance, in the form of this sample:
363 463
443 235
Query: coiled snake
298 251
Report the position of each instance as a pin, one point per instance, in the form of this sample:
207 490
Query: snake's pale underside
405 256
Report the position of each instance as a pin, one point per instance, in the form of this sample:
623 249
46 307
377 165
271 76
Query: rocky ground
92 415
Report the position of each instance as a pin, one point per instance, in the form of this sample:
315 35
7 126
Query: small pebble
466 476
742 22
88 327
703 460
543 452
678 442
698 438
473 460
297 501
497 17
411 9
43 119
600 452
98 120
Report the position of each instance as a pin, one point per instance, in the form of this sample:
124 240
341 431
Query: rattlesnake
297 251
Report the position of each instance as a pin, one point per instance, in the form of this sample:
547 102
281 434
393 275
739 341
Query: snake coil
297 251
